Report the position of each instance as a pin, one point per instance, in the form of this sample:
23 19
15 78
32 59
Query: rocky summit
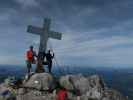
44 86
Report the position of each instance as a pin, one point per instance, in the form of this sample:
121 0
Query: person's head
31 47
48 51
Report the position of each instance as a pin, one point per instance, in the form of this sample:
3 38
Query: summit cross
45 33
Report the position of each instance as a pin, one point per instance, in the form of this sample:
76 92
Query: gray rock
110 94
6 93
65 82
80 83
91 88
3 88
92 85
33 95
40 81
21 91
96 81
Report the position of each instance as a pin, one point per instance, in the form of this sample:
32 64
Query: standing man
49 58
30 56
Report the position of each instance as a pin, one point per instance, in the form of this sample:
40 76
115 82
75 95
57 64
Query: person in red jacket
62 94
30 56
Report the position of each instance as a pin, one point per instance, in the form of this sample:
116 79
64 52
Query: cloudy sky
95 32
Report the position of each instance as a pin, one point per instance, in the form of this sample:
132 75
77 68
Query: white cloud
104 52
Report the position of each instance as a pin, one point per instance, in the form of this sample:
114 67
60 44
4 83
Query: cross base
39 68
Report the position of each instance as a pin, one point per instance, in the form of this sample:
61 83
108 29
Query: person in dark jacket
49 58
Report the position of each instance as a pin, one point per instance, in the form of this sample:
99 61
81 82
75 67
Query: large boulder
92 85
80 83
97 87
86 87
97 82
40 81
65 82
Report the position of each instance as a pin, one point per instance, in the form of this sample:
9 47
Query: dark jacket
49 57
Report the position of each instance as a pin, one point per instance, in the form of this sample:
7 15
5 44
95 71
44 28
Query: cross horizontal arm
34 30
55 35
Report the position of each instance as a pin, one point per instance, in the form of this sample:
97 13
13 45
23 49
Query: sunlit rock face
41 81
43 86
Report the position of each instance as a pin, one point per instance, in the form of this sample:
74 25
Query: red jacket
30 56
62 95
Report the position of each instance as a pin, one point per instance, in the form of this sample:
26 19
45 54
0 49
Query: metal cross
45 33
